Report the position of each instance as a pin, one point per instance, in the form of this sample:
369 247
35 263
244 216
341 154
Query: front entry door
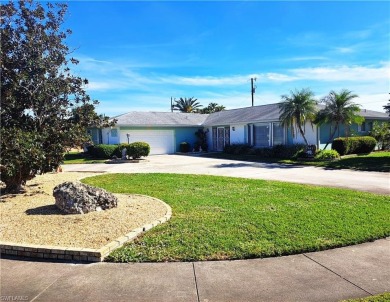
220 138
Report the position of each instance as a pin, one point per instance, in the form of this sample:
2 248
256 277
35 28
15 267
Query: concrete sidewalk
376 182
333 275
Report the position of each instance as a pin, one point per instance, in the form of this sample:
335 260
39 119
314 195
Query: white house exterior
258 126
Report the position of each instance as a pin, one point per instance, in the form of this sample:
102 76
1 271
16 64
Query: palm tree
297 109
187 105
211 108
339 110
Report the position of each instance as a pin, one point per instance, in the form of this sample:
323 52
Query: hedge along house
163 131
258 126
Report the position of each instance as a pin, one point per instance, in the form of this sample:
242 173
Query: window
277 134
365 127
261 135
114 132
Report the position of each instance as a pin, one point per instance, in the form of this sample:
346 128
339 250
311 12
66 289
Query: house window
365 127
277 134
261 135
114 133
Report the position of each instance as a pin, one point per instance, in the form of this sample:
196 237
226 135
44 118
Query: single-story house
258 126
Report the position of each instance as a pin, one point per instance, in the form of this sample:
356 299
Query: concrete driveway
376 182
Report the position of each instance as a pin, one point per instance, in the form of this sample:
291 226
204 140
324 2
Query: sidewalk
332 275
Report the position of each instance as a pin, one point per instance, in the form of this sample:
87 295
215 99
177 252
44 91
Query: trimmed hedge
138 149
102 151
354 145
278 151
134 150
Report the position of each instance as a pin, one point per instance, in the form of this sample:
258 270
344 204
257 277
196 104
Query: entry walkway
333 275
376 182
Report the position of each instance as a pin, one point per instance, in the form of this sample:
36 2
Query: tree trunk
14 188
332 136
303 134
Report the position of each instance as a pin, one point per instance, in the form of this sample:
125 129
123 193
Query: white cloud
343 73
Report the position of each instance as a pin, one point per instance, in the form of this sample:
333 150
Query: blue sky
137 55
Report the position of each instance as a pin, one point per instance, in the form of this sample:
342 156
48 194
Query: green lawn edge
375 161
221 218
385 297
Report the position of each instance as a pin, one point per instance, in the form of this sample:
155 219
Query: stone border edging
80 254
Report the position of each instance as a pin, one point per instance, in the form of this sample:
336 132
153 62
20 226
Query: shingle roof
374 114
244 115
166 119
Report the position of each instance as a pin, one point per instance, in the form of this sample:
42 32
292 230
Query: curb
80 254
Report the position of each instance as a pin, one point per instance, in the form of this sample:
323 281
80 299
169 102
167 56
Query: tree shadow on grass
45 210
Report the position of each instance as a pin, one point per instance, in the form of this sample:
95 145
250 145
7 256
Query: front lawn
375 161
74 157
232 218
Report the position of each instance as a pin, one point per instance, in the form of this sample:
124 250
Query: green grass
80 158
232 218
376 161
377 298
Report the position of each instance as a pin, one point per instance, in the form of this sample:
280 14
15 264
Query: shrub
327 155
119 148
138 149
237 149
184 147
286 151
354 145
102 151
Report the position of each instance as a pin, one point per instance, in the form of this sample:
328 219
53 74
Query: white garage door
160 141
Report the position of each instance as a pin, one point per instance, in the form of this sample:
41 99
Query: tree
38 92
187 105
211 108
387 108
339 110
381 132
296 110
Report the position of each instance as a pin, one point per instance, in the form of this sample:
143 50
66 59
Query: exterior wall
238 134
186 135
209 137
310 134
110 136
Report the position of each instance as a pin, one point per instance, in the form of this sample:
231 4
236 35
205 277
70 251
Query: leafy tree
339 110
38 92
211 108
387 107
187 105
296 109
381 132
86 116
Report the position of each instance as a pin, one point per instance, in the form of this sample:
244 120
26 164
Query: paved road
333 275
377 182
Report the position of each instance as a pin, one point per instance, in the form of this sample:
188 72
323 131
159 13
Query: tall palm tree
187 105
339 110
296 109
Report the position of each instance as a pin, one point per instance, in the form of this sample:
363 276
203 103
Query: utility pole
253 89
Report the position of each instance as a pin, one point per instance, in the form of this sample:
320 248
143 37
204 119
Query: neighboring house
258 126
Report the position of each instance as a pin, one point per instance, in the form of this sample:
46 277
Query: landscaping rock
78 198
